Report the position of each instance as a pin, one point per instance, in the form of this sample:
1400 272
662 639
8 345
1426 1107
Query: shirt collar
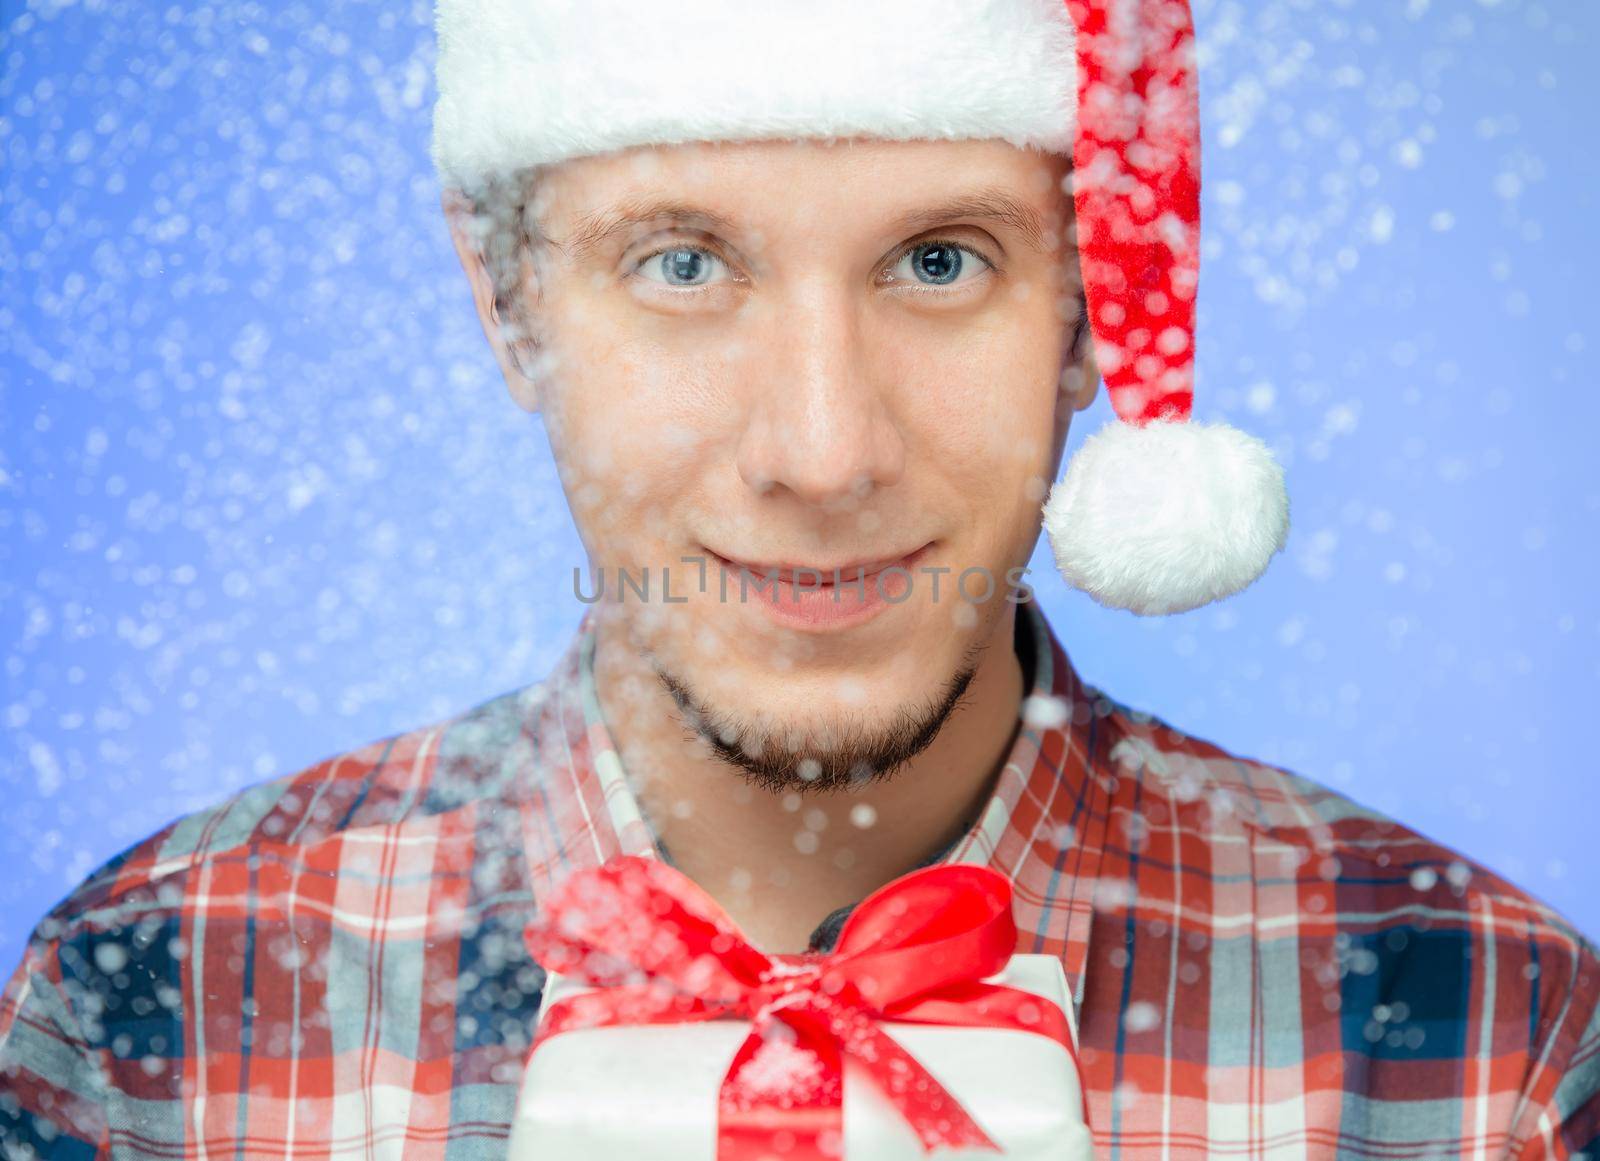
1042 826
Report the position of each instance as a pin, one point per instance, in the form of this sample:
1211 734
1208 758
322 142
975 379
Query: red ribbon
916 951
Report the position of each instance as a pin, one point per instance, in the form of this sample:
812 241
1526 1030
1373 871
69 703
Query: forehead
851 179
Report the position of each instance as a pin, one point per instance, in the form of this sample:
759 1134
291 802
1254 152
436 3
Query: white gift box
650 1091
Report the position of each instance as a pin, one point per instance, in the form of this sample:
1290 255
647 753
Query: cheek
629 422
985 404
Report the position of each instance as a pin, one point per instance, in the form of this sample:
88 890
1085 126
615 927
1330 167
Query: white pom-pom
1168 516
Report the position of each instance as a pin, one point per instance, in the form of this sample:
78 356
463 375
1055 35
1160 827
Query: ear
466 234
1080 373
1080 380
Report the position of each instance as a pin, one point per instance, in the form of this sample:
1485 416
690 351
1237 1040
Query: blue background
263 497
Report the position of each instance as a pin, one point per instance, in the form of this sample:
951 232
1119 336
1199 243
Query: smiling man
806 382
807 307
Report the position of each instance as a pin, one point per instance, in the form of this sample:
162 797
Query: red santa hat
1156 512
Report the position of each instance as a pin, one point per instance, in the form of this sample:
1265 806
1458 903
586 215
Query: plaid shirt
331 964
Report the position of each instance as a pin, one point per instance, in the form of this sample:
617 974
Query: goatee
845 753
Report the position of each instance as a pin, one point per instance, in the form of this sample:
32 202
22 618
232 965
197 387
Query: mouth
821 596
820 574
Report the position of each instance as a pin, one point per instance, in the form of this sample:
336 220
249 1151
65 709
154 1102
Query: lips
819 598
822 574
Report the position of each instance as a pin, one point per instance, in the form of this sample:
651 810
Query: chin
820 700
817 732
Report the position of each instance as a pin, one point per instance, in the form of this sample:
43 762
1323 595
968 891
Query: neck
779 862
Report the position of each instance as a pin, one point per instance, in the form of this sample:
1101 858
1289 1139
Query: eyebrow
994 204
594 229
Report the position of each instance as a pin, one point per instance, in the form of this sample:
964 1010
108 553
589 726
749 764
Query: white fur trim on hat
1168 516
527 82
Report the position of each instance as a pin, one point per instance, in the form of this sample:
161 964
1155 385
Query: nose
819 423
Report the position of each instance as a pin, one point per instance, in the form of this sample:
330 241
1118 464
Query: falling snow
262 496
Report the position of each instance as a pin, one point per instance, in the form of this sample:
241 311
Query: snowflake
782 1071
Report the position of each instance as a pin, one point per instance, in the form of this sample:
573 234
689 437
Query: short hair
506 231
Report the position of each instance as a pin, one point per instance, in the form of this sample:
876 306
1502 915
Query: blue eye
685 266
939 263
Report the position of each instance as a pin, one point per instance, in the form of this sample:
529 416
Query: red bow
916 950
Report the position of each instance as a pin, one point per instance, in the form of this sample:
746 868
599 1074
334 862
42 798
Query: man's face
836 355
